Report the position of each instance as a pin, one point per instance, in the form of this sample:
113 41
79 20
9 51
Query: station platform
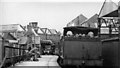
46 61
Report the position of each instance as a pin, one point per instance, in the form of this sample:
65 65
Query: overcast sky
53 14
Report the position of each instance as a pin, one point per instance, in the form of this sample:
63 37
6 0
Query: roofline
14 24
22 27
101 8
13 36
78 27
9 24
88 19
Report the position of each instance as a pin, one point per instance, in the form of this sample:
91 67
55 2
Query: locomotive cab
81 46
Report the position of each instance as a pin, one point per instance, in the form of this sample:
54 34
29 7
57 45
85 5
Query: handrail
12 57
15 48
3 61
5 58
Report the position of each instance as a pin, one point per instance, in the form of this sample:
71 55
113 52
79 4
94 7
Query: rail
12 56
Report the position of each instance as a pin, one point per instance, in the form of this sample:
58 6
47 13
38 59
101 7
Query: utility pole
119 35
119 17
34 40
99 27
110 29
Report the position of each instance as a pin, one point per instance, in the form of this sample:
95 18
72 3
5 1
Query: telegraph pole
99 27
119 17
119 34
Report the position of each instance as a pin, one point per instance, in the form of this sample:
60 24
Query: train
80 48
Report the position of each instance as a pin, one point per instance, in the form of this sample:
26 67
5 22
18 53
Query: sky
53 14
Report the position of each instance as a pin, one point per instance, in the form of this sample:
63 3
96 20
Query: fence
13 55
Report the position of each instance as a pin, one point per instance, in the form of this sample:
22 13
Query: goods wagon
110 52
79 48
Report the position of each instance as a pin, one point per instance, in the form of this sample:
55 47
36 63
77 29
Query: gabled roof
77 21
112 14
48 31
107 8
53 31
9 36
90 22
40 31
45 30
93 19
82 18
11 28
